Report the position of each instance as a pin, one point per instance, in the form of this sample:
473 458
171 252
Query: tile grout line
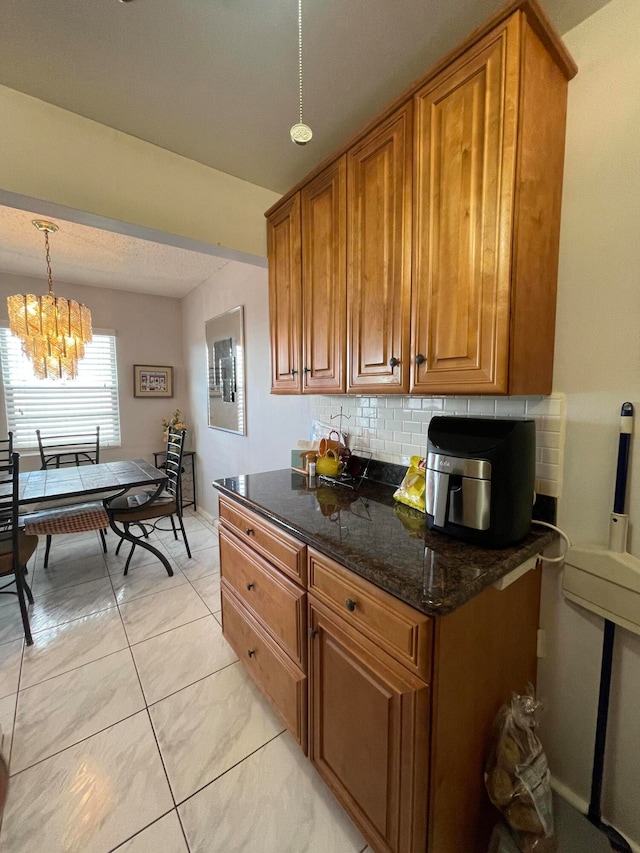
73 669
146 708
76 619
229 769
191 684
20 690
153 731
76 743
131 837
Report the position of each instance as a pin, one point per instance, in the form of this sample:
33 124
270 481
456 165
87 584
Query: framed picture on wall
151 380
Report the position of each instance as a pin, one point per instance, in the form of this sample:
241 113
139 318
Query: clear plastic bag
411 489
517 775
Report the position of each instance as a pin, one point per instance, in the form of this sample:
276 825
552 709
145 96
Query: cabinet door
379 256
464 183
324 298
285 297
368 733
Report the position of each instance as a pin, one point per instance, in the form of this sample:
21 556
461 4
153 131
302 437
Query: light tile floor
131 725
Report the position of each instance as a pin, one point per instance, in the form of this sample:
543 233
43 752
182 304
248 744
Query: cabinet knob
313 633
394 362
251 652
250 586
293 371
420 359
249 531
307 370
350 605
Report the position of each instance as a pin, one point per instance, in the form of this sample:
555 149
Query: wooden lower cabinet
369 732
395 708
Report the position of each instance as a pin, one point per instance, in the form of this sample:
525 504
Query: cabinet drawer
277 602
284 551
397 628
279 679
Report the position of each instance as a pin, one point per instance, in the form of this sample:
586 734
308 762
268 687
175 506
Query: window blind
58 407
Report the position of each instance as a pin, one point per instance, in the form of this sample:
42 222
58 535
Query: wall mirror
225 360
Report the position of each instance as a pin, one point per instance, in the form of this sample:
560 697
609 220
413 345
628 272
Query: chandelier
53 330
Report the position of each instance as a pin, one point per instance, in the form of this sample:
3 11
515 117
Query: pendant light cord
300 133
48 256
300 54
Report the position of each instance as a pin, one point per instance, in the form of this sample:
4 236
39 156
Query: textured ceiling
81 254
216 81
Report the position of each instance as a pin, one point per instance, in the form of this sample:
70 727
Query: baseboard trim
210 519
582 806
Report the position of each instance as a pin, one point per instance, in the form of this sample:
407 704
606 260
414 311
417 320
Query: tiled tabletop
61 483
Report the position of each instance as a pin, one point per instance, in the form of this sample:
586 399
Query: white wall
148 331
274 423
597 366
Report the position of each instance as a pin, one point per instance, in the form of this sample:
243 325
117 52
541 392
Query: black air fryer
480 478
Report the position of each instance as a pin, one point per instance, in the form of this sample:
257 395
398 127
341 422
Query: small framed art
150 380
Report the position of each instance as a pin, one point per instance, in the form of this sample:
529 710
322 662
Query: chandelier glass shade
53 330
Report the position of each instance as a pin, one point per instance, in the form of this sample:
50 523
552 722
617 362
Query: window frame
91 399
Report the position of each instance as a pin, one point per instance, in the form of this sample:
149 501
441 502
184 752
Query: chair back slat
173 462
7 485
6 450
69 449
9 497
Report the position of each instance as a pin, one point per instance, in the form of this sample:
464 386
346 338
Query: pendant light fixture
53 330
300 133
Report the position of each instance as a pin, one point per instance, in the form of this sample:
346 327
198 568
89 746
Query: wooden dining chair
145 509
16 547
63 451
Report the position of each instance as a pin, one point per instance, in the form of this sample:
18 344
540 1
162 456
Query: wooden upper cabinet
324 262
285 297
486 224
452 213
379 256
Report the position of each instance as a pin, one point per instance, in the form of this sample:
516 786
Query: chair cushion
128 511
67 519
27 545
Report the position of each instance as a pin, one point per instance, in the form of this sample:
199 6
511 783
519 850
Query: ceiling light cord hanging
300 133
53 330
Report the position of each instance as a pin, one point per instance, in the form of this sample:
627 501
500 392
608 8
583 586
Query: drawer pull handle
350 605
249 531
251 652
250 586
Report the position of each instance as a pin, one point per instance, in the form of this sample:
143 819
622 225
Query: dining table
57 487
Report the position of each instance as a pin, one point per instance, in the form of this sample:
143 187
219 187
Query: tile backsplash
394 428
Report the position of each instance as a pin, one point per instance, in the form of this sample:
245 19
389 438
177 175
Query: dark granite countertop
379 539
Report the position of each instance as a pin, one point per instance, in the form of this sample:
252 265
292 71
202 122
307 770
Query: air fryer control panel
458 491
